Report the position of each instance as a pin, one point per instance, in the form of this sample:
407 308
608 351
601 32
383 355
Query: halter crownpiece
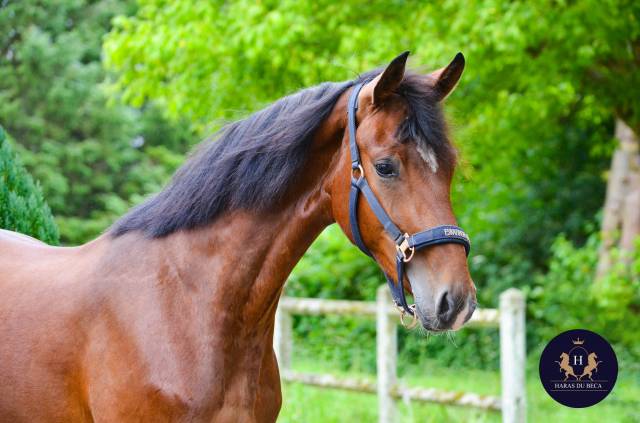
406 244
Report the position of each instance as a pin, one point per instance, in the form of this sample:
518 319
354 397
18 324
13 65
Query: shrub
567 297
22 206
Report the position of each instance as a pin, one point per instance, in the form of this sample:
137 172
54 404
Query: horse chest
195 373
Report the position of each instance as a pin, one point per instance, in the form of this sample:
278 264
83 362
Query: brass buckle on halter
404 247
413 322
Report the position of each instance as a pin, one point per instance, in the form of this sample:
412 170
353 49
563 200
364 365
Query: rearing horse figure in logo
565 366
592 366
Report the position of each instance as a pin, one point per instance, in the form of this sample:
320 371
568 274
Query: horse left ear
447 77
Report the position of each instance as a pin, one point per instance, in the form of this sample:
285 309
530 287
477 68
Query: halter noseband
406 244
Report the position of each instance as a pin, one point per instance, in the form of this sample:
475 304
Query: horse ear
388 81
447 77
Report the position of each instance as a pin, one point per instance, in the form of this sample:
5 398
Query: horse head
409 163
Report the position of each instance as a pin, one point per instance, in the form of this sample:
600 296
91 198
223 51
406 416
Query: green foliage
212 60
84 148
22 206
537 125
567 297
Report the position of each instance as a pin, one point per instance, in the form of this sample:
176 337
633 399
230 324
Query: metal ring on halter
357 168
404 247
414 321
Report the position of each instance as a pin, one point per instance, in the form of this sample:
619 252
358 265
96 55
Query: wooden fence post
283 339
386 341
512 356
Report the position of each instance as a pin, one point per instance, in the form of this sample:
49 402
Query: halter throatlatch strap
406 244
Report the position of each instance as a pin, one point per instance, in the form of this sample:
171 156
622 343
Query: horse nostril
444 307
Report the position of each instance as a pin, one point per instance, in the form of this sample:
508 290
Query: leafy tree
22 206
94 157
213 60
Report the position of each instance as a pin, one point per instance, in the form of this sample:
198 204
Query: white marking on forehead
429 156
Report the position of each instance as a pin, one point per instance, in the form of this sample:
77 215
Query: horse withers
169 315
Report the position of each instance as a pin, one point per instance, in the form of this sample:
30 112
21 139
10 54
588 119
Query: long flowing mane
250 163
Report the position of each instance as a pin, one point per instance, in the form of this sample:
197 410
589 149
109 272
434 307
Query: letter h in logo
577 360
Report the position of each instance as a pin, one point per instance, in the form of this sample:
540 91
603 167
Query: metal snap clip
414 320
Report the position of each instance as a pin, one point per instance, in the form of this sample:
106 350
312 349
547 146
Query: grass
310 404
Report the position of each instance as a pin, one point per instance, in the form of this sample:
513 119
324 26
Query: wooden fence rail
509 318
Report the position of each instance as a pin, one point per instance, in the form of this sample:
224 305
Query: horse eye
386 169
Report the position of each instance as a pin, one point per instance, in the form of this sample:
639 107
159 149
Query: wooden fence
509 318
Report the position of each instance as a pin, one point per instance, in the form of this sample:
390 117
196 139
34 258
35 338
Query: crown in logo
577 341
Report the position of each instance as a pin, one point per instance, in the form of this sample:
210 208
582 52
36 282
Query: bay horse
169 315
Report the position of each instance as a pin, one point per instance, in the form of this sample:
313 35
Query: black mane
250 163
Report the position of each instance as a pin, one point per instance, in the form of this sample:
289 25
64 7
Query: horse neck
242 260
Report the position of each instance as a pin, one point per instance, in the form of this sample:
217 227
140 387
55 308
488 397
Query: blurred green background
103 99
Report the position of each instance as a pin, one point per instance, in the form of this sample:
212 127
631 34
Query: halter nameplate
406 244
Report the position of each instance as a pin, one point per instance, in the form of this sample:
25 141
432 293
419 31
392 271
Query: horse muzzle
448 312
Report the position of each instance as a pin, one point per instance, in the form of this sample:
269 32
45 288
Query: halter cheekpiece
406 244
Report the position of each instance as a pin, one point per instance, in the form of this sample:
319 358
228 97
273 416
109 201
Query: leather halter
406 244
